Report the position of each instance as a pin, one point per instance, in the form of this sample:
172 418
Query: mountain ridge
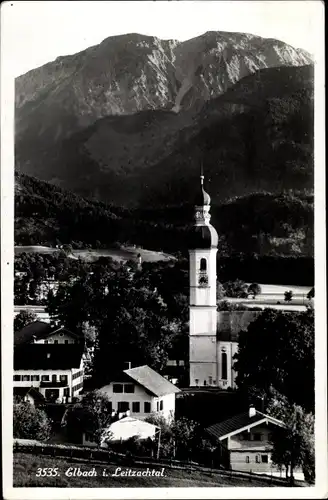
131 118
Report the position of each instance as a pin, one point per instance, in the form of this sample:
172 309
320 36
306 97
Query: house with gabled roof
50 359
141 391
246 440
40 332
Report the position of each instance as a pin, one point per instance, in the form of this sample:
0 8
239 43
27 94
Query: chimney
251 411
127 365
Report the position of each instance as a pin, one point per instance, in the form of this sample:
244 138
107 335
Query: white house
142 391
49 359
246 440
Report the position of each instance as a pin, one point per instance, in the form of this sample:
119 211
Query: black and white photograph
163 237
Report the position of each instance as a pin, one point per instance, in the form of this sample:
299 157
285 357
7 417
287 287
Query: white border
320 490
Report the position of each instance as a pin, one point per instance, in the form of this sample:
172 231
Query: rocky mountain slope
134 115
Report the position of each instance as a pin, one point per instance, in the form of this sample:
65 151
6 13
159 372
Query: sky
36 32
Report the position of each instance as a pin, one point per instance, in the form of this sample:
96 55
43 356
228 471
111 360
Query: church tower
202 304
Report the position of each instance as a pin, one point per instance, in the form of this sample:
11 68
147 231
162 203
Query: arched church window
224 370
203 264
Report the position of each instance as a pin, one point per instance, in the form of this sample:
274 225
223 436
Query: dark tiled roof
234 423
151 380
231 323
23 391
38 330
47 356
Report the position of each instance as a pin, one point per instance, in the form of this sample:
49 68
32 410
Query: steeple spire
201 174
202 198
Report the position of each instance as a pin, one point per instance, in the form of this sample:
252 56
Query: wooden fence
93 455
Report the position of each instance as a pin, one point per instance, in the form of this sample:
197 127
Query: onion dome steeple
202 197
203 234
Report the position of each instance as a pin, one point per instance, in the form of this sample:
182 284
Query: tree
254 289
277 351
30 422
91 415
236 289
23 318
288 296
293 444
220 291
130 317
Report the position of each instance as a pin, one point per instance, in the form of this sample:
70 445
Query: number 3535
47 472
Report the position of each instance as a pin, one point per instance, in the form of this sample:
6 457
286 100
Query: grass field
26 466
120 254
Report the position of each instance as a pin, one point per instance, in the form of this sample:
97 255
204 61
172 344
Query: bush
30 422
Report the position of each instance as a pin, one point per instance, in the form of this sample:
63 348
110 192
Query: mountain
129 120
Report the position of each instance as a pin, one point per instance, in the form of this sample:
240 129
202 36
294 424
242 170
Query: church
213 335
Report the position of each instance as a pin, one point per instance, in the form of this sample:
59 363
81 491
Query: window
129 388
224 370
257 459
66 341
17 378
35 378
63 378
247 459
196 381
157 406
147 407
123 406
203 264
264 459
161 405
244 436
44 378
257 436
26 378
117 387
55 341
136 407
204 382
210 380
46 341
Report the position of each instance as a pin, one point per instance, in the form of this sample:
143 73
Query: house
28 394
245 439
49 359
41 332
122 430
142 391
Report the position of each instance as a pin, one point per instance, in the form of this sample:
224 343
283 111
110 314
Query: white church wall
202 321
202 349
202 374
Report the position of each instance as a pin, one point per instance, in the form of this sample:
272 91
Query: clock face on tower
203 280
